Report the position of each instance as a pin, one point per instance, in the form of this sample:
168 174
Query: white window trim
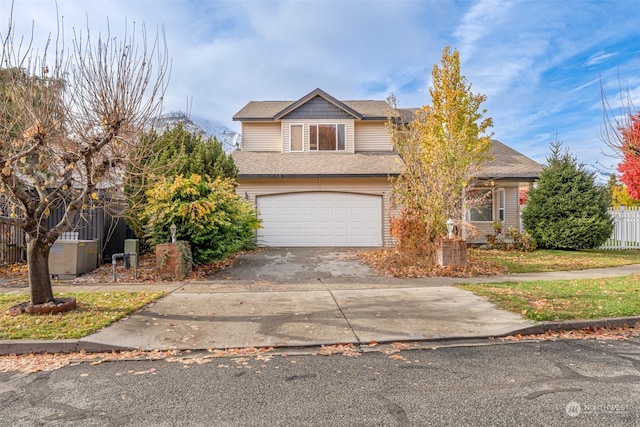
290 138
317 149
501 205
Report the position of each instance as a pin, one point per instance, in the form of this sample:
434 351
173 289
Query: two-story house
318 171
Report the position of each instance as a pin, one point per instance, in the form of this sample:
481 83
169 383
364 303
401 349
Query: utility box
132 246
70 258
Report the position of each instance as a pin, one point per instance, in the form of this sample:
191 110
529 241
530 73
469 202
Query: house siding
512 207
372 137
261 136
250 188
317 108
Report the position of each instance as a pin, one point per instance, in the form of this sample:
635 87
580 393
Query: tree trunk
39 277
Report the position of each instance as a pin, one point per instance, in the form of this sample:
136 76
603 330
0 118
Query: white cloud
539 63
598 58
482 18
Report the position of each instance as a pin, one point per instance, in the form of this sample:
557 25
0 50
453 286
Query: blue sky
541 63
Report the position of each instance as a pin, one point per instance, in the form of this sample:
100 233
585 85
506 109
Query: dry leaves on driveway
390 262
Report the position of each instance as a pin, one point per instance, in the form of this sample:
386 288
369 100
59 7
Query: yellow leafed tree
442 147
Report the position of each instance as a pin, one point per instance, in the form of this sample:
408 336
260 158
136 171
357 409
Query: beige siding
372 136
261 136
349 143
512 207
250 188
480 230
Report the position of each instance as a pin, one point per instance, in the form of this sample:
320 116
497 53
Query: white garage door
320 219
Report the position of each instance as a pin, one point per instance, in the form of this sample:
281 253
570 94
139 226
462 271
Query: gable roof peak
322 94
261 111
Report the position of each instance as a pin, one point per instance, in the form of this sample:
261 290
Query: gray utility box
70 258
132 246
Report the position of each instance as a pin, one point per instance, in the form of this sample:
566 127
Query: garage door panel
320 219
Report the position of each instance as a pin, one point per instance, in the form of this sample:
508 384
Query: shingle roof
273 110
261 110
328 164
506 163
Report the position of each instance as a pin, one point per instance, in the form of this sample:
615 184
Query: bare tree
621 133
68 122
618 123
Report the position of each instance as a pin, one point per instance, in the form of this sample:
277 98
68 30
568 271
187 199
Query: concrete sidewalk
229 314
195 320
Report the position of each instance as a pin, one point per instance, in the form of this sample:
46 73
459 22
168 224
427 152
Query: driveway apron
307 297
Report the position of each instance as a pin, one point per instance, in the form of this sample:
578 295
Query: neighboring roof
507 163
256 164
407 114
275 110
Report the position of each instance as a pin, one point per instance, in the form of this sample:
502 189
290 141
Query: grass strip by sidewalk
95 311
565 299
543 260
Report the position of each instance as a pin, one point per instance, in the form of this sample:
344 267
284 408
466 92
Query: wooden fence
92 224
626 229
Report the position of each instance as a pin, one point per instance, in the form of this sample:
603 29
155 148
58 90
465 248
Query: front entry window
483 206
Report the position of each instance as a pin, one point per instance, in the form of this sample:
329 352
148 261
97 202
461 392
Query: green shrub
174 152
207 213
567 209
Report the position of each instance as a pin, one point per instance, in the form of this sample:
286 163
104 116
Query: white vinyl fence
626 228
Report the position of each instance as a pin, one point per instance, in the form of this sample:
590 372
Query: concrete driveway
301 266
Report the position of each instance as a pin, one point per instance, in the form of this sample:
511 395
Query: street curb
21 347
607 322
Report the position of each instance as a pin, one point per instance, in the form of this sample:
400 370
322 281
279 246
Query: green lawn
565 299
552 260
95 311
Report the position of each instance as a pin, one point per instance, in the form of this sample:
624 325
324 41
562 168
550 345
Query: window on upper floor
296 138
327 137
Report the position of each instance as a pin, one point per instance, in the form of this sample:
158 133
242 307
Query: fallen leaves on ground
348 350
14 275
620 333
391 262
399 357
31 363
18 274
241 354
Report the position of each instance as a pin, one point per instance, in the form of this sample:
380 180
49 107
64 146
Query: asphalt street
563 383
